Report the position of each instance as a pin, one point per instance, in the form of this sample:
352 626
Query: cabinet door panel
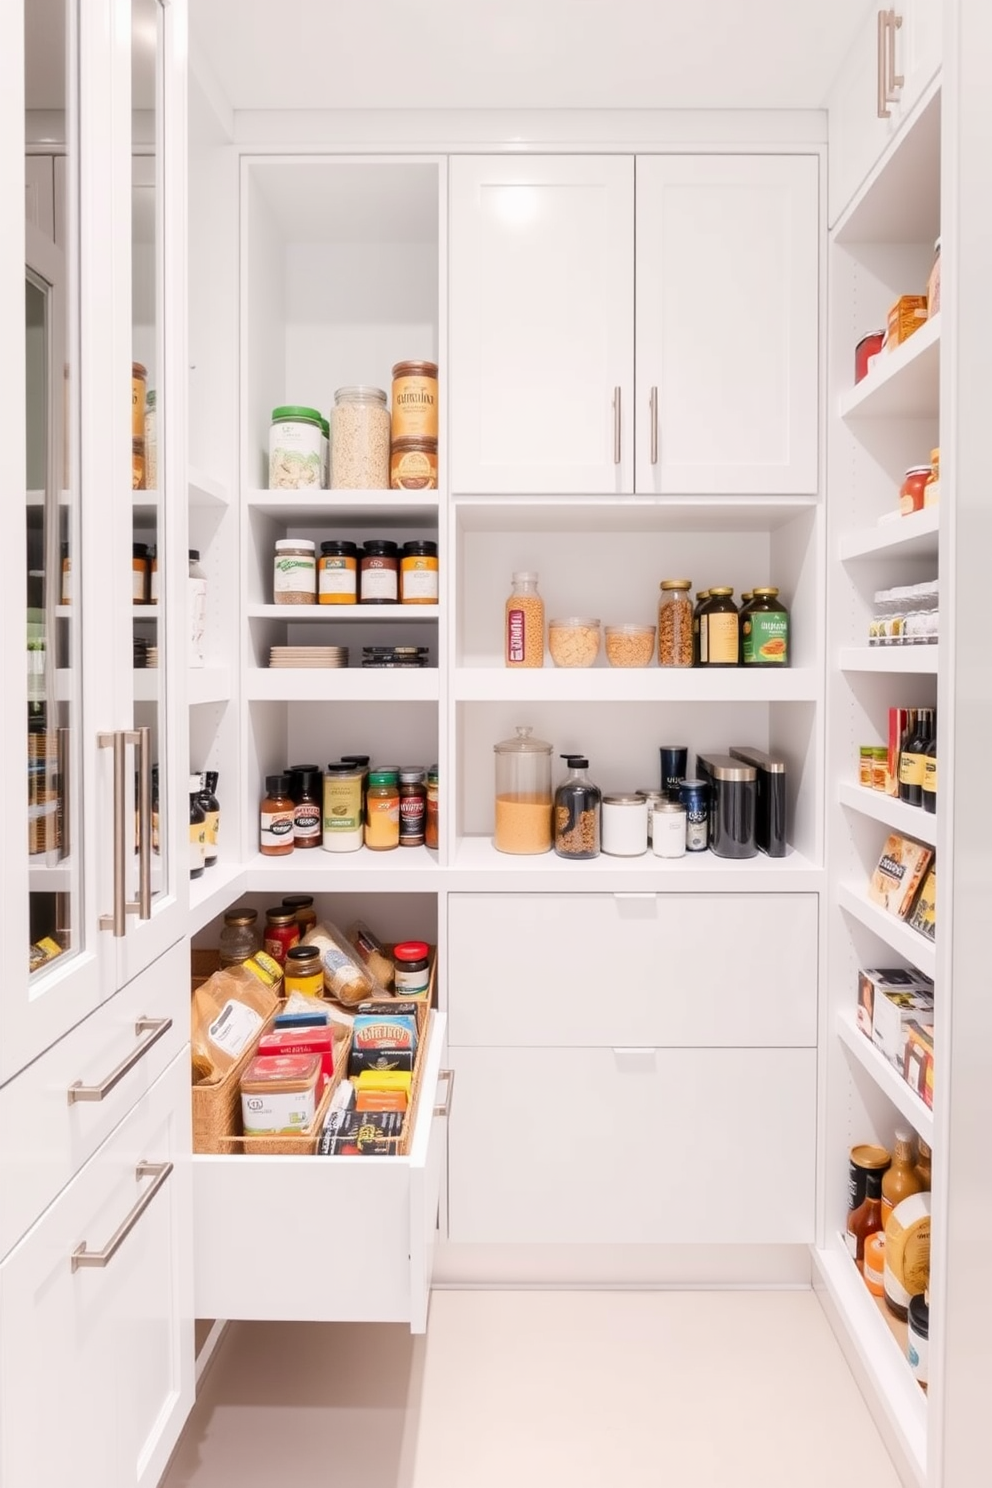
542 306
636 1146
921 37
727 318
857 136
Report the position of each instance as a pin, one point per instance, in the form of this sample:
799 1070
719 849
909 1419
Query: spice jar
765 630
380 567
343 828
239 938
413 806
337 573
296 457
523 795
431 824
524 639
931 491
413 465
294 576
197 830
577 812
913 488
139 380
140 573
281 933
419 573
415 400
276 818
360 431
668 829
304 971
719 632
413 967
625 826
151 441
382 811
307 810
675 623
302 907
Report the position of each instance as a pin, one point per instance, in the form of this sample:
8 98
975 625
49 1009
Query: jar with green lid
382 810
765 630
296 455
719 631
701 598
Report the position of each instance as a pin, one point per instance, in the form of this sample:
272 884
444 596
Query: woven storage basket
400 1146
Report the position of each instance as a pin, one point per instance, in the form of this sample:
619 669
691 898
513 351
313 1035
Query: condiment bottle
379 572
719 630
307 810
900 1180
343 815
211 806
382 805
523 795
239 938
930 777
276 818
578 804
430 825
197 830
413 967
912 759
281 932
337 573
524 641
413 806
765 630
747 595
866 1219
304 971
922 1169
302 906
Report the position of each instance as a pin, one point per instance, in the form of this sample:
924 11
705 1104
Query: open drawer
325 1239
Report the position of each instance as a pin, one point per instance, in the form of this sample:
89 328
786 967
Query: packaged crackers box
924 917
917 1060
893 1013
360 1134
906 316
899 873
874 982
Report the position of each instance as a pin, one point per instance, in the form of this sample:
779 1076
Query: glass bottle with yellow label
719 637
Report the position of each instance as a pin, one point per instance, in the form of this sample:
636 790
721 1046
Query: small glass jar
380 571
431 824
337 573
912 491
524 623
360 436
304 971
302 906
343 816
675 624
382 811
413 968
415 401
151 441
296 456
276 818
413 806
239 938
719 630
307 810
419 573
668 829
574 641
281 933
294 576
625 826
140 574
413 465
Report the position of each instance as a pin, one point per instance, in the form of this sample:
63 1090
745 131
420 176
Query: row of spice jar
906 616
348 807
362 447
377 572
713 632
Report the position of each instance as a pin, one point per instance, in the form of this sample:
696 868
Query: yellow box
906 316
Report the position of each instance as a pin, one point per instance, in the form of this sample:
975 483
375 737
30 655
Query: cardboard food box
924 916
898 874
874 982
917 1065
906 316
891 1017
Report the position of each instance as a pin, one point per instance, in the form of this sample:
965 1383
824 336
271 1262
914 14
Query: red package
302 1041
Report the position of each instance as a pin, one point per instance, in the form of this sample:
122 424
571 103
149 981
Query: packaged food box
362 1061
891 1017
924 916
917 1060
279 1094
381 1100
393 1079
312 1040
899 873
874 982
906 316
360 1133
384 1030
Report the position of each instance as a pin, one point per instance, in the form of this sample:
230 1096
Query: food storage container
770 821
911 493
360 432
523 794
296 456
573 642
866 350
675 624
625 826
765 630
524 623
577 808
719 630
415 401
733 805
629 645
668 829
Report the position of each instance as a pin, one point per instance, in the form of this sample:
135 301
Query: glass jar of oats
360 431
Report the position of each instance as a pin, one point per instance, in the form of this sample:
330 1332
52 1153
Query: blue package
301 1020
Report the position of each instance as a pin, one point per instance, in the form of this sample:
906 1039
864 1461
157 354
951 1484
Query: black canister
733 805
770 828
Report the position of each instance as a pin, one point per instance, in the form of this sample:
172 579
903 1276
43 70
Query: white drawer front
367 1224
55 1138
632 1146
680 970
113 1344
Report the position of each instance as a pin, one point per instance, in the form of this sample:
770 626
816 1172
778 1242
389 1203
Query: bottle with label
747 595
413 805
866 1219
382 825
197 830
912 759
578 805
907 1253
430 825
524 639
905 739
765 630
282 932
930 777
923 1171
719 630
901 1179
276 818
343 807
211 805
307 810
697 623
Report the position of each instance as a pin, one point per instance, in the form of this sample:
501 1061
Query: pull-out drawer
680 970
325 1239
97 1308
69 1101
633 1146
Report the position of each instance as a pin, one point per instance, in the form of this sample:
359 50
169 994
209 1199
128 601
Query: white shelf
204 490
695 873
375 509
333 614
49 878
903 383
209 896
145 611
876 1348
906 942
885 1075
636 684
913 536
921 660
148 687
405 870
629 513
208 685
912 821
342 685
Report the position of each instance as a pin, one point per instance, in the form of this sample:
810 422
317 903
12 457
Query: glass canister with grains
523 795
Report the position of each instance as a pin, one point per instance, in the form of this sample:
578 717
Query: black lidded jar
719 630
379 572
577 812
733 805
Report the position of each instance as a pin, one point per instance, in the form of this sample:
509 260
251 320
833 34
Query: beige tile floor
539 1390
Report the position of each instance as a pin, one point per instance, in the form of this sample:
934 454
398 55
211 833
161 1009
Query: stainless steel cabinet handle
654 426
157 1028
117 922
142 740
895 79
616 426
83 1257
881 90
448 1076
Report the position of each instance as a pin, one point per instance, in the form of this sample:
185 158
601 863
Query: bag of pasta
346 977
228 1013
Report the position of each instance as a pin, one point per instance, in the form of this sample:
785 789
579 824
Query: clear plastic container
523 795
360 430
630 645
574 642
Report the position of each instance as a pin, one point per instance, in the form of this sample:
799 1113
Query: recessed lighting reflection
517 206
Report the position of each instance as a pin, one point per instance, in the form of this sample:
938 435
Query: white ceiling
525 53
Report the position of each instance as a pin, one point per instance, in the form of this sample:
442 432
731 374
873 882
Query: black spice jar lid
382 547
337 548
277 785
419 549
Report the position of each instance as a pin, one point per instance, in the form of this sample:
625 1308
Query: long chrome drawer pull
156 1028
83 1257
448 1076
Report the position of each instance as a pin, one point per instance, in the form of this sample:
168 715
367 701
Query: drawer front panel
366 1217
60 1137
679 970
633 1146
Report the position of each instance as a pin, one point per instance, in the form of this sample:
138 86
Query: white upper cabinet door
542 324
919 46
862 111
727 316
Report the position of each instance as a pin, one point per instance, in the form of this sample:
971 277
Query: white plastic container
668 829
624 826
296 449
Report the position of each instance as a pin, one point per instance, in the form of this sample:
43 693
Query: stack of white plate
308 656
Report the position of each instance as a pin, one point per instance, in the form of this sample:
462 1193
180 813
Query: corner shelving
912 536
333 614
905 941
885 1076
903 383
408 870
912 821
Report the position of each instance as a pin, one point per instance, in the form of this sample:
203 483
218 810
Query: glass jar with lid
523 794
719 632
577 812
675 623
239 938
360 430
911 492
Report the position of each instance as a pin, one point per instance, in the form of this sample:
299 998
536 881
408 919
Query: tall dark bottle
912 761
930 776
909 769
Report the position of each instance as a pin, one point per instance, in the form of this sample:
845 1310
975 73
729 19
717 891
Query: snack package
372 953
900 870
227 1014
346 977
